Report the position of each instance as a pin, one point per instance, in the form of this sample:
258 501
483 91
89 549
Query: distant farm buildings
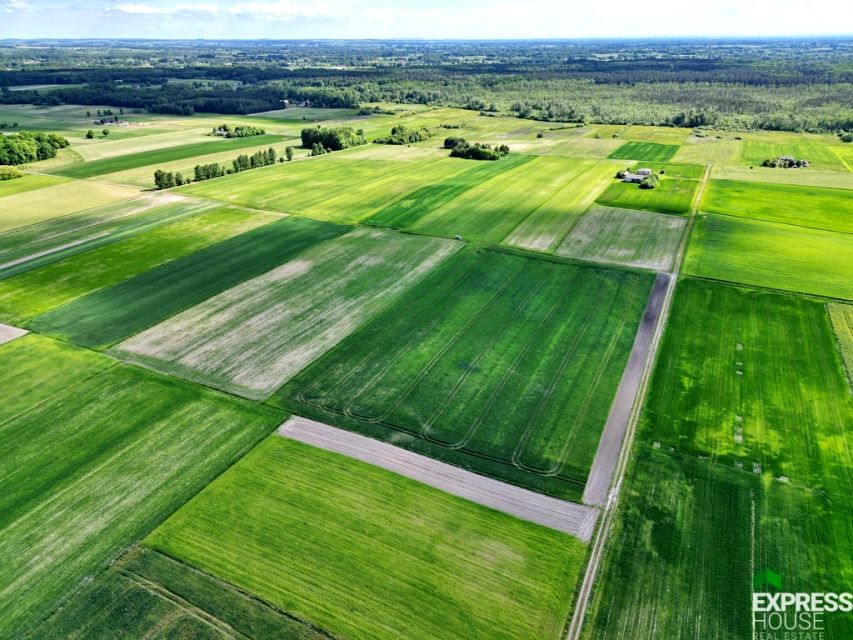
637 176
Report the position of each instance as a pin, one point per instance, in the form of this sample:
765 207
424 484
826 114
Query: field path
568 517
9 333
624 454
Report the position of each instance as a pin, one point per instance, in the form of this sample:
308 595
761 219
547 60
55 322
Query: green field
624 236
804 177
649 151
733 385
31 293
690 536
829 209
109 315
146 594
98 466
660 135
710 150
779 256
758 147
379 557
29 207
253 337
672 195
28 182
504 364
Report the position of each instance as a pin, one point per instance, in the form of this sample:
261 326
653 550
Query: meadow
806 178
252 338
758 147
623 236
28 182
720 152
503 364
672 195
109 315
96 467
648 151
375 552
815 207
779 256
841 316
731 385
33 292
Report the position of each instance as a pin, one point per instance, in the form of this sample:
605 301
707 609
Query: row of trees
402 134
201 172
240 131
461 148
332 138
27 146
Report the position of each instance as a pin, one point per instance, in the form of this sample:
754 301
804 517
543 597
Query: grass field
148 595
99 466
29 207
841 316
545 227
828 209
779 256
710 150
649 151
253 337
691 535
734 385
623 236
33 292
500 363
28 182
672 195
38 368
804 177
491 210
109 315
760 146
658 135
380 556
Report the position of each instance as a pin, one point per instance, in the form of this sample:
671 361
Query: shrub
9 173
401 134
332 138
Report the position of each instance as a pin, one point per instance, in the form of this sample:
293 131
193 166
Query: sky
434 19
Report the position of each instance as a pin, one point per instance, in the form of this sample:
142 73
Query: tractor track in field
569 517
630 408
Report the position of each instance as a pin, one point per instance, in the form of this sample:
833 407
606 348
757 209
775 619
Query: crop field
33 292
109 315
815 207
491 210
498 577
29 207
253 337
658 135
624 236
731 385
545 227
842 323
845 153
806 178
672 195
504 364
146 594
710 150
758 147
779 256
97 467
29 182
648 151
690 536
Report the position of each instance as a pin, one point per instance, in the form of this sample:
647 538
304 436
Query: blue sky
420 19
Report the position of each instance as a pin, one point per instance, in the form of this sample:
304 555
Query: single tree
288 152
90 134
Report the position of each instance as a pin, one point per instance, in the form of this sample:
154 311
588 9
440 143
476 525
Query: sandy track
610 445
9 333
568 517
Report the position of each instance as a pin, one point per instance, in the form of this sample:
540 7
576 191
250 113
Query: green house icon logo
766 577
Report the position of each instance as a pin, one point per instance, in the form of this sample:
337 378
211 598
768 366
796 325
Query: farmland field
98 466
709 150
732 386
33 292
436 567
829 209
252 338
28 182
109 315
672 195
758 147
504 364
624 236
806 178
842 323
648 151
778 256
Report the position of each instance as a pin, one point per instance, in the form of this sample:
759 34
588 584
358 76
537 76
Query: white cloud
17 6
135 9
279 10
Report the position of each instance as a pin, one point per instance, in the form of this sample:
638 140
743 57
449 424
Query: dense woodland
800 85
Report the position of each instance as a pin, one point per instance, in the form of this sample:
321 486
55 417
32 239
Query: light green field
759 146
29 182
33 292
710 150
841 316
779 256
732 385
577 146
37 368
158 137
30 207
672 195
545 228
97 467
647 151
845 153
491 210
623 236
659 135
252 338
815 207
804 177
367 554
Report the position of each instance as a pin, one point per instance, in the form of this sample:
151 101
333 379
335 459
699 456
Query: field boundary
568 517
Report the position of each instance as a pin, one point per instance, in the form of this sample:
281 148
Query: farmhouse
638 176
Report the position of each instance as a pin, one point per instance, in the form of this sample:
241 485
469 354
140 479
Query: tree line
201 172
28 146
